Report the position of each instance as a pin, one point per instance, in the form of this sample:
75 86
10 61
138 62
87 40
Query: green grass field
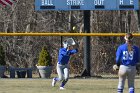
73 86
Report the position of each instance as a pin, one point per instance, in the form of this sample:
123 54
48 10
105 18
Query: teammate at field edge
127 57
63 62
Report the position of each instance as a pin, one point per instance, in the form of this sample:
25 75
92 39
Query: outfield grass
73 86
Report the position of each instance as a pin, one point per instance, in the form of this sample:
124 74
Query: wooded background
23 51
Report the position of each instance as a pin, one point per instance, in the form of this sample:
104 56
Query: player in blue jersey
63 62
127 57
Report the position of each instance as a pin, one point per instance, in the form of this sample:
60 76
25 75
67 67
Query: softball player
63 62
127 57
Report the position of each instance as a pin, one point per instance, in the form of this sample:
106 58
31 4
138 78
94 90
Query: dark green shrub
2 56
44 58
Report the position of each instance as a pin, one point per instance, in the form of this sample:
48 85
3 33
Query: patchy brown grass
73 86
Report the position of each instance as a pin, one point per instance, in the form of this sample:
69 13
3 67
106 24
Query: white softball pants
63 72
128 72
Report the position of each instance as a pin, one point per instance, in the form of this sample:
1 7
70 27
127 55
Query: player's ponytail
128 38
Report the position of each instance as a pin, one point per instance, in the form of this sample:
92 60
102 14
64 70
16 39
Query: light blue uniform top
64 55
125 57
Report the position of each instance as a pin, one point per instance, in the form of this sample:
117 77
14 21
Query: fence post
86 71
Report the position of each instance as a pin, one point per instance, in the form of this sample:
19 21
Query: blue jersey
64 55
125 57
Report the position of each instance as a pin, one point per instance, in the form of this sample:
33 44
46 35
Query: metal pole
86 71
138 12
61 40
129 22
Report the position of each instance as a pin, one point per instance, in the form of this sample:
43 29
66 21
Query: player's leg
66 77
131 78
60 73
122 77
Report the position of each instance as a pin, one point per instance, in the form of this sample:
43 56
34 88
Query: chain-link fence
23 51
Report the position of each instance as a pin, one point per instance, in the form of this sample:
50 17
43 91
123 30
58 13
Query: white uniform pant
128 72
63 72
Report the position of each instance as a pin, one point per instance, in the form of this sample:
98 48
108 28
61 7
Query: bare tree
23 51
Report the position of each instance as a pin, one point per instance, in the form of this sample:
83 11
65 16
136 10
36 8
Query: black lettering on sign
75 7
126 6
99 6
47 7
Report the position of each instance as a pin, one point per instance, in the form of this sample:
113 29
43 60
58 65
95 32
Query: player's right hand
115 67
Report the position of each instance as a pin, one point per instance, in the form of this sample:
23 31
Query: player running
63 62
127 57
